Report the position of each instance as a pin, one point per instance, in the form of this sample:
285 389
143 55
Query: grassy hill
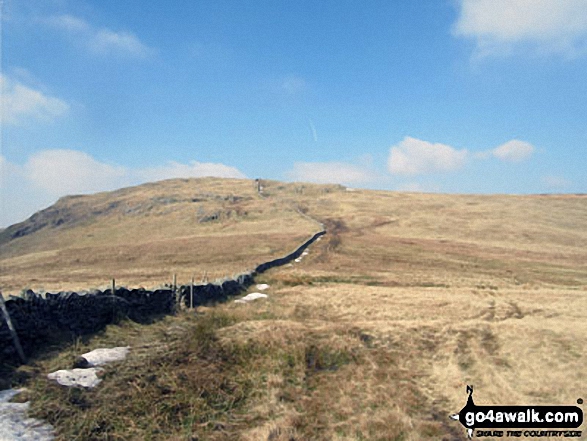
373 335
143 235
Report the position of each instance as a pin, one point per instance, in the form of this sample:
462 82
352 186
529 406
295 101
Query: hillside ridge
218 227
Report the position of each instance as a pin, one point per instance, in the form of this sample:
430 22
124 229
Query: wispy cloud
100 41
330 173
313 130
50 174
553 182
105 41
21 103
548 26
69 23
292 84
413 157
513 151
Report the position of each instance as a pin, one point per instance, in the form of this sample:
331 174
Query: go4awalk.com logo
519 421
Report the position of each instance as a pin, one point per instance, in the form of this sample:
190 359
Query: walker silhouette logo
530 418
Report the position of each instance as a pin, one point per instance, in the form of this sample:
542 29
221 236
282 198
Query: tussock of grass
226 374
182 384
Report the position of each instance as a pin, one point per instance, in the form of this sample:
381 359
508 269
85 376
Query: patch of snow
77 377
252 296
305 253
298 260
15 425
101 356
6 395
262 286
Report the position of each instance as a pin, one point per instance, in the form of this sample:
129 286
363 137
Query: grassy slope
374 335
142 235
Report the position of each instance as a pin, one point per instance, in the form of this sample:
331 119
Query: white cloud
513 151
50 174
416 157
499 25
6 167
329 173
413 156
63 172
18 198
20 103
192 170
101 41
556 182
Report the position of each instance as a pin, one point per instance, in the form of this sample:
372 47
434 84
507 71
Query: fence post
174 288
192 294
15 339
113 293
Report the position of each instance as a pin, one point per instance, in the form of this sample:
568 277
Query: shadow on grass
56 340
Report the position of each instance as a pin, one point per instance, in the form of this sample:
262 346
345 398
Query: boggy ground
372 336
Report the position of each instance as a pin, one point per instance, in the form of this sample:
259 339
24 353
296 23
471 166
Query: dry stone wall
38 319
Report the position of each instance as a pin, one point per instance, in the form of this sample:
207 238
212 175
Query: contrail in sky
313 129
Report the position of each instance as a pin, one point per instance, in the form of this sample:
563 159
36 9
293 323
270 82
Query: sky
451 96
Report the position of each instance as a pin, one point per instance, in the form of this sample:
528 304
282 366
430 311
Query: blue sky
456 96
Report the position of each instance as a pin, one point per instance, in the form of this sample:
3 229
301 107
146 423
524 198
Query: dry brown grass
483 290
374 335
145 234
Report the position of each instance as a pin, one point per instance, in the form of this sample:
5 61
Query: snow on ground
250 297
101 356
76 377
15 425
89 377
262 286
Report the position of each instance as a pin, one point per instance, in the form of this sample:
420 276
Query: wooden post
174 289
15 339
113 293
192 294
